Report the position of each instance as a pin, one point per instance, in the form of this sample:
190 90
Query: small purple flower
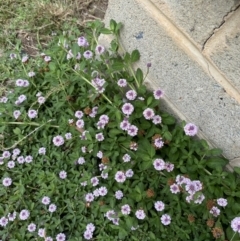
31 227
120 177
89 197
24 214
16 114
78 56
31 74
165 219
191 188
159 164
199 199
131 95
140 214
222 202
99 137
158 143
47 58
88 54
159 206
174 188
82 42
104 175
80 123
149 65
119 194
122 83
88 235
11 164
48 239
52 208
100 49
90 227
81 160
215 211
158 94
127 109
94 181
124 125
20 159
4 99
58 140
126 158
16 152
70 54
104 119
3 221
24 59
169 166
68 136
100 154
13 56
235 224
157 119
125 209
61 237
6 154
32 114
19 82
41 232
12 216
132 130
28 159
79 114
148 113
190 129
45 200
22 98
62 174
111 215
7 181
42 151
102 191
41 100
129 173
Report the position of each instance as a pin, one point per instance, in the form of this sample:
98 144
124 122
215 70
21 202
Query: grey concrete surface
198 18
224 49
193 92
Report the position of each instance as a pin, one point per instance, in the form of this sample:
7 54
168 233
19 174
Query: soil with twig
81 10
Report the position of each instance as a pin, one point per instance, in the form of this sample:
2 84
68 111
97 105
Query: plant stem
14 145
209 173
27 123
233 236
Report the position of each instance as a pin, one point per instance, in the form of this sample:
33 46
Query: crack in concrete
221 24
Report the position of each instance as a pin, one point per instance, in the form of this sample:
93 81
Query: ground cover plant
87 154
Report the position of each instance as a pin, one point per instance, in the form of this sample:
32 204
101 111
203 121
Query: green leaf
214 152
149 100
105 31
139 75
135 56
237 170
52 66
167 119
113 24
217 163
117 65
17 131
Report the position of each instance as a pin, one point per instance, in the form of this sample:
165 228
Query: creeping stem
29 134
